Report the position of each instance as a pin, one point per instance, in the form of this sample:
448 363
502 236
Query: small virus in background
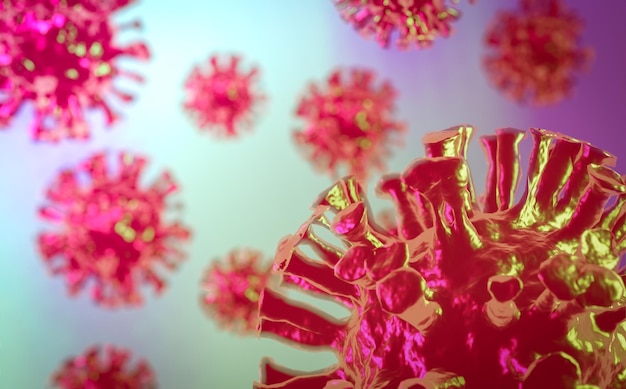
535 52
112 231
349 123
468 294
221 99
417 22
110 369
61 56
231 289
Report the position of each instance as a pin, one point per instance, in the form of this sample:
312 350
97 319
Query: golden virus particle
535 52
467 293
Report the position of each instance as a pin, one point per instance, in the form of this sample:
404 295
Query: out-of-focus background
254 190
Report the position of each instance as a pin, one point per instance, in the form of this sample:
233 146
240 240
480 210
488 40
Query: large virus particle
108 369
222 99
495 293
534 52
112 231
231 289
417 22
61 56
349 123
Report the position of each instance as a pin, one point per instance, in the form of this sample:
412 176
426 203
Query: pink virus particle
61 56
348 123
104 369
231 289
112 231
490 293
416 22
534 52
221 98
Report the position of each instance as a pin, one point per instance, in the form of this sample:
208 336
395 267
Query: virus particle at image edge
231 288
104 369
536 300
349 123
112 231
222 99
534 52
80 38
417 23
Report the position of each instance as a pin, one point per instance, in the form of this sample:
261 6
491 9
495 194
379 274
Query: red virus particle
417 22
221 99
61 56
231 289
535 51
112 230
348 122
496 293
104 370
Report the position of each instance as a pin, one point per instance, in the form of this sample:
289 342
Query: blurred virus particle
417 22
535 51
491 294
112 230
61 55
220 98
348 122
110 369
231 289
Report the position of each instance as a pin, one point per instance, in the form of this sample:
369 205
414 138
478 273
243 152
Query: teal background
254 190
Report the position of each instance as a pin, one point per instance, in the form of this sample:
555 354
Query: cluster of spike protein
222 99
535 52
93 370
418 22
231 290
496 294
112 230
61 55
348 122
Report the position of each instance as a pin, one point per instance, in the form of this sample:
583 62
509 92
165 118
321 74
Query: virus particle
222 99
112 230
104 370
417 22
348 123
231 289
534 53
61 55
496 293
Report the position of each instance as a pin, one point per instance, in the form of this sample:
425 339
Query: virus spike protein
534 282
112 231
80 38
104 370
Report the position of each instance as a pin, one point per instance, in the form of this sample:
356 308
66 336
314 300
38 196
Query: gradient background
261 175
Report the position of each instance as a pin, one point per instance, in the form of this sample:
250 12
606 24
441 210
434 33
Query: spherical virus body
112 231
417 22
221 98
534 52
108 369
495 293
231 289
349 123
61 56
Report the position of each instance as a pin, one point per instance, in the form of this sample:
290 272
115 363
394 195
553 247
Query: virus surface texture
417 22
108 369
495 293
534 53
111 231
221 98
348 123
61 56
231 289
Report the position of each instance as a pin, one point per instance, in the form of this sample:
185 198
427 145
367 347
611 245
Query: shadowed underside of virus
469 292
